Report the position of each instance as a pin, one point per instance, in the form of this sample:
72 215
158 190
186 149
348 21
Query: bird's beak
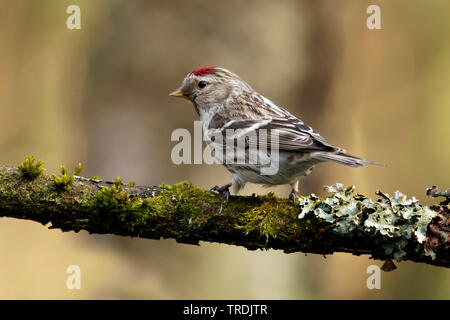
179 93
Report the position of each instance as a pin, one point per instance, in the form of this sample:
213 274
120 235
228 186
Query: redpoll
225 103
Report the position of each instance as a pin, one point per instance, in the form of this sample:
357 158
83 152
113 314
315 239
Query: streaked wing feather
293 135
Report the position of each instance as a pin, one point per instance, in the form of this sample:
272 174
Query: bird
226 103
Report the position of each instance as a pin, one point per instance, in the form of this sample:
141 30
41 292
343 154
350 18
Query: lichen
395 218
30 169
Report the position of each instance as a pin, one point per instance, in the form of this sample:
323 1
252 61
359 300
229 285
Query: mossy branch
389 228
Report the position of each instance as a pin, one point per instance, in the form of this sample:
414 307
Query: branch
392 227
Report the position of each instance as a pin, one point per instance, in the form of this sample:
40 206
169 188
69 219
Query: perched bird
225 103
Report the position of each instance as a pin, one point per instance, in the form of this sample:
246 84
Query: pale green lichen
424 219
394 217
327 216
308 204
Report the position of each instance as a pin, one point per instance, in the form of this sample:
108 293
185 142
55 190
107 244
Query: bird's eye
202 84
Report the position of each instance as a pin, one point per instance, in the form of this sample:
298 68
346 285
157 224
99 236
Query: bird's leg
294 193
223 190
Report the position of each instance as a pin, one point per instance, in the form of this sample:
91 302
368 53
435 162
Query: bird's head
209 87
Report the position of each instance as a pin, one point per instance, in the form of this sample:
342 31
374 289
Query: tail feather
343 158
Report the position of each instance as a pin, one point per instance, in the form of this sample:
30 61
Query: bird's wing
292 133
253 112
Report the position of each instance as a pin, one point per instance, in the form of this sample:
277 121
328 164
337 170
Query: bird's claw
293 196
223 190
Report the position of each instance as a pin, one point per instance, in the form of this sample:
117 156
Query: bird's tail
343 158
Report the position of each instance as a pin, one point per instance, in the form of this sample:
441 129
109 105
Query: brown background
99 95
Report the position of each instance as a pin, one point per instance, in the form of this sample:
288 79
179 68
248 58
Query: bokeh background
99 96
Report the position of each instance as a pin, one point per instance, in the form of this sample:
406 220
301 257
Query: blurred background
99 96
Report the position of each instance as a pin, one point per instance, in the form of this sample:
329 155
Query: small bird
225 103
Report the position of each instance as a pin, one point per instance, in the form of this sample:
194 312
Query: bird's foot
293 196
225 190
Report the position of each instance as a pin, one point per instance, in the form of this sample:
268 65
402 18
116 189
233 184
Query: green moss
118 182
30 169
63 182
184 209
7 190
268 218
193 203
112 207
25 193
78 169
132 183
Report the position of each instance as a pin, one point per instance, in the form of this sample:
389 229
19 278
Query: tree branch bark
393 227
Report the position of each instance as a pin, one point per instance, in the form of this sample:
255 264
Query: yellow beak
178 93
